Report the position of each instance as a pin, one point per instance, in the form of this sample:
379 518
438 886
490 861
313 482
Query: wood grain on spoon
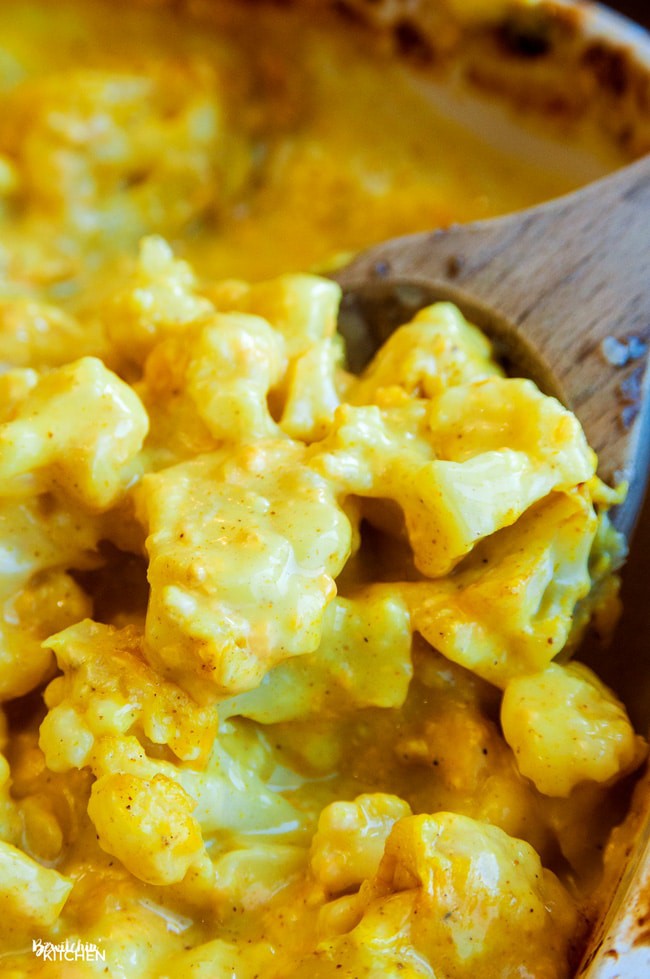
569 280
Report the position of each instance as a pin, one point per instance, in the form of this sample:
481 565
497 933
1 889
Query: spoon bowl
564 291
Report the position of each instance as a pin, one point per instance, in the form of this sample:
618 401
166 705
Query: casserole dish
207 772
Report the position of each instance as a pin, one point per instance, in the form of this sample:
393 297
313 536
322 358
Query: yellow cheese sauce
285 652
261 144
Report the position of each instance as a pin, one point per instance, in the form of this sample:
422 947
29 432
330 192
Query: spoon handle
571 278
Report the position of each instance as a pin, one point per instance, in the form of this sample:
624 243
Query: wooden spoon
564 288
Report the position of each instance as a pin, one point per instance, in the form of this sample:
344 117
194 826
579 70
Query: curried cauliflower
363 660
92 147
242 760
244 547
437 350
38 335
107 688
258 615
509 610
302 312
312 390
41 540
302 308
78 431
349 842
461 466
566 727
147 824
210 385
30 894
160 300
457 899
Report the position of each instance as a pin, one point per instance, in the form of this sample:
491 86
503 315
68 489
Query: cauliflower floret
303 308
79 429
222 791
50 600
108 688
456 896
235 361
97 150
311 391
40 538
160 300
566 727
251 876
363 660
460 466
244 547
52 807
349 842
147 824
508 610
15 385
163 299
34 334
29 893
211 384
438 349
270 348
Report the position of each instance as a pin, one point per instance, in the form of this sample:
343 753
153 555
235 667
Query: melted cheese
263 610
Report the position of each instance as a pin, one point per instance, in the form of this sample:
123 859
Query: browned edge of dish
565 62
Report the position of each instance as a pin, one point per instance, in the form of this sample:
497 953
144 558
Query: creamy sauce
303 143
265 734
